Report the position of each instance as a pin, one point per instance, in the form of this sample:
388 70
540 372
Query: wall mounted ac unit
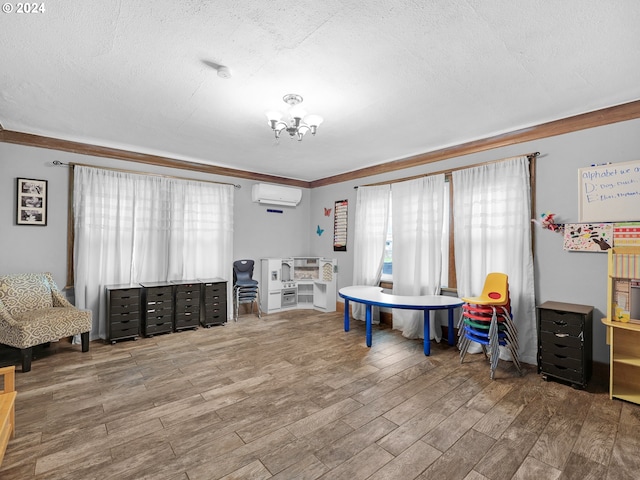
269 194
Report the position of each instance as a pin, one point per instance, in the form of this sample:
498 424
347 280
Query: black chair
245 288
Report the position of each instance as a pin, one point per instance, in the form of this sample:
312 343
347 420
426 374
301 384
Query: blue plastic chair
245 288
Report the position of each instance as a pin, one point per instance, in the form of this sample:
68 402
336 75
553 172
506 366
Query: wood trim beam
598 118
9 136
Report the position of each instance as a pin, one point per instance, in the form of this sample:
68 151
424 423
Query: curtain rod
58 163
398 180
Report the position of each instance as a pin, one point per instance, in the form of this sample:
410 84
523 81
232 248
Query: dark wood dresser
214 302
187 304
157 300
123 312
565 342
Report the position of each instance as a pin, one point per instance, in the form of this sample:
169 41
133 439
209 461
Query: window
387 266
132 227
448 279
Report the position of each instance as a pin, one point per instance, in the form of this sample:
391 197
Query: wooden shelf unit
623 328
624 360
7 408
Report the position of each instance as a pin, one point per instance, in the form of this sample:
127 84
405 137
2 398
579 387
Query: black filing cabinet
123 312
565 342
214 302
187 304
158 308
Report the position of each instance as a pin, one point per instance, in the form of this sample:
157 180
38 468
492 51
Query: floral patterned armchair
33 312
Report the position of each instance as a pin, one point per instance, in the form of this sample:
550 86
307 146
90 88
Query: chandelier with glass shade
295 122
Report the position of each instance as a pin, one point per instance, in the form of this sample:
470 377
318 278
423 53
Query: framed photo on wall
31 202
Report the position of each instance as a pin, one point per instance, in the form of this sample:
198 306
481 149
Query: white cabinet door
271 284
271 274
275 300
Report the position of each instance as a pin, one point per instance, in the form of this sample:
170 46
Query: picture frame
31 202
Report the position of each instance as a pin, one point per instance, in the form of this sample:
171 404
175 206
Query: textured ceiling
391 78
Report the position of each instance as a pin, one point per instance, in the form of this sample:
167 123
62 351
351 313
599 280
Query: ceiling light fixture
297 123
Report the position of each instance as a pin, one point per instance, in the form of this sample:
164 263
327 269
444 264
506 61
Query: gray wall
562 276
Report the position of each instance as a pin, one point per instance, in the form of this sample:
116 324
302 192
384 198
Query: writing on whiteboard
611 183
610 192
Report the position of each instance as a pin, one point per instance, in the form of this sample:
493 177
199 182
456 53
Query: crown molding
28 139
598 118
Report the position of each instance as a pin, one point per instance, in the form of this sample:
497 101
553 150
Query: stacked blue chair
488 320
245 288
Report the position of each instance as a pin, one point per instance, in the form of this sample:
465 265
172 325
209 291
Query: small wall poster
340 226
588 237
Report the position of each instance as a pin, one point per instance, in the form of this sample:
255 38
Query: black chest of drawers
565 342
214 302
158 308
123 312
187 304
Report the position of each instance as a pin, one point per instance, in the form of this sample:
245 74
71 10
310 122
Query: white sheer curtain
417 211
132 228
370 235
492 222
202 230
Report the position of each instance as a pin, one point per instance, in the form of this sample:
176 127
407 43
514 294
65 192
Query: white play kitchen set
298 282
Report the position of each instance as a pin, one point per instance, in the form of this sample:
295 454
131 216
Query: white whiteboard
609 193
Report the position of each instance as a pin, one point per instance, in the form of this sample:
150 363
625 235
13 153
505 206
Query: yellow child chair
487 320
495 291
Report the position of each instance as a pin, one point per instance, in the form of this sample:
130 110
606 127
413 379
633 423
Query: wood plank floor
292 396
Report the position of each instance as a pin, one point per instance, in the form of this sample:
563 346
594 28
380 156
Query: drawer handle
559 356
560 346
561 335
561 323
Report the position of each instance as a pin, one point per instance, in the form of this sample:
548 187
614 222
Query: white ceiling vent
268 194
